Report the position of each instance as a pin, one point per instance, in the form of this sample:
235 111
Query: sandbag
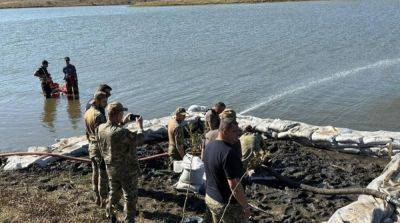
374 140
197 108
263 125
349 136
282 125
325 134
193 170
302 131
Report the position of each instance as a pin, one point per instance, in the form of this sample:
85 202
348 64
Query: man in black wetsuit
45 78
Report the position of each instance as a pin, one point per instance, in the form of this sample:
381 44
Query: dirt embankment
62 191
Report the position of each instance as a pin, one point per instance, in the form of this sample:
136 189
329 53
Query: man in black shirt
224 172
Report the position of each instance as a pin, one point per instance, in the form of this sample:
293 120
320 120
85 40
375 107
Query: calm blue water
325 63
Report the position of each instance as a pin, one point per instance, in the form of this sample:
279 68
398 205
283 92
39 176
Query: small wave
295 89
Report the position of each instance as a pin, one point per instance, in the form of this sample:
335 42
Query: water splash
295 89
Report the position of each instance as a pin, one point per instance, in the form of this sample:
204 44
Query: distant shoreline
8 4
142 3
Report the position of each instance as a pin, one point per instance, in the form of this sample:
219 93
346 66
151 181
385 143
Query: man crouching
118 146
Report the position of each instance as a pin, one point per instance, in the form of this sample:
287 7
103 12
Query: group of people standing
113 152
70 78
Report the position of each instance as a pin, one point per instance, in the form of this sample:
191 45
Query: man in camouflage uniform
212 116
176 135
93 118
252 144
118 146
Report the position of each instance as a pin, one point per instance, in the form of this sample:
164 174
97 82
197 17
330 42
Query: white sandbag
349 137
192 162
22 162
74 146
197 108
302 131
351 150
193 170
396 143
282 125
42 149
193 177
374 140
347 145
368 209
325 134
263 125
284 135
185 186
244 121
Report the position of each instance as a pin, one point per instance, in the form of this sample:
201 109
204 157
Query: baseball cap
115 107
180 111
45 62
67 58
103 88
228 115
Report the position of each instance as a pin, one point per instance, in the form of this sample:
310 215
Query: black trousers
46 90
72 88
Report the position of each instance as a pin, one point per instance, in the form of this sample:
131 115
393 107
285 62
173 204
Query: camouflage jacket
176 134
118 146
250 144
93 118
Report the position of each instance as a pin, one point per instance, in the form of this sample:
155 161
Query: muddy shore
61 192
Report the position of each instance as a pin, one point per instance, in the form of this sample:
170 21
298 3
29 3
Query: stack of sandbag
368 209
192 173
74 146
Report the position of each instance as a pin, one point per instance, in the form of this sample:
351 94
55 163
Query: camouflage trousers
122 180
233 214
99 173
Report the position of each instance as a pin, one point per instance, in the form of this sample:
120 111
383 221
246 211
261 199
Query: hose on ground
342 191
70 157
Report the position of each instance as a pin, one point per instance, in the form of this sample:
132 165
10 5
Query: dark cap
67 59
103 88
220 105
45 62
115 107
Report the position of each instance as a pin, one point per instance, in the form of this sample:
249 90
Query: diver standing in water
45 78
71 80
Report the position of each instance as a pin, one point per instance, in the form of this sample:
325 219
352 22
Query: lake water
325 63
